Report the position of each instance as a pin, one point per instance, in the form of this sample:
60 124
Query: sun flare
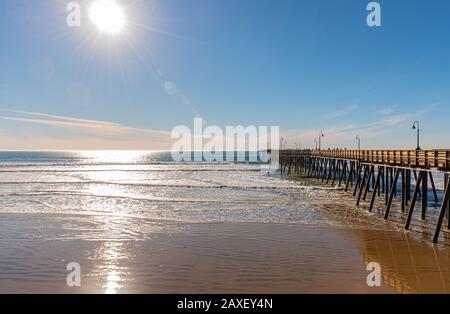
108 16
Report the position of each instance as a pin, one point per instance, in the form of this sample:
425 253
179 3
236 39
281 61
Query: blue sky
303 65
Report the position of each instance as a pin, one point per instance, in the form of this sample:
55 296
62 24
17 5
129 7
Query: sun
108 16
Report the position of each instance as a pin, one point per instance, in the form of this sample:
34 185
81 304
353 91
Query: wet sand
215 258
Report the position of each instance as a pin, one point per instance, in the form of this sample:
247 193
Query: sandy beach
220 258
150 227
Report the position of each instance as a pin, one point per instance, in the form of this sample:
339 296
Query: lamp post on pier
320 139
416 126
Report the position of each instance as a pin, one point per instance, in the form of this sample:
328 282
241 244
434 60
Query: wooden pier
406 174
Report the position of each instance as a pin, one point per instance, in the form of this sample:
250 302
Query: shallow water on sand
137 222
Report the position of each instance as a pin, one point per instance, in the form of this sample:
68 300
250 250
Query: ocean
149 186
138 222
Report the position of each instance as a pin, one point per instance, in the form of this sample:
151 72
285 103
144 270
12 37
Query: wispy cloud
376 133
342 112
92 126
58 117
386 111
77 133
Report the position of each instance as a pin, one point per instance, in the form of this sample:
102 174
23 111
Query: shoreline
223 258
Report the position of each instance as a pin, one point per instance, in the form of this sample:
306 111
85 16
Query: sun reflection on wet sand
113 283
112 256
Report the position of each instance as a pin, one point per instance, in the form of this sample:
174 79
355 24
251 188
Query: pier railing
439 159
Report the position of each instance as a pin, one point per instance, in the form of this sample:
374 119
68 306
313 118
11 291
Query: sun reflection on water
117 156
113 283
112 254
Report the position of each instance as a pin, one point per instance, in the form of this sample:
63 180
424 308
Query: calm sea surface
146 185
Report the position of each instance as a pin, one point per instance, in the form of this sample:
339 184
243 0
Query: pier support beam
413 201
392 193
363 183
446 184
424 194
444 206
377 185
350 176
434 188
358 179
369 180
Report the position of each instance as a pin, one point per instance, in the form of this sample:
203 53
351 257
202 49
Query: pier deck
431 159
